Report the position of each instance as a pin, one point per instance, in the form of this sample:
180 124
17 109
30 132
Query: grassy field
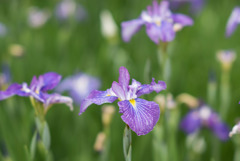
71 46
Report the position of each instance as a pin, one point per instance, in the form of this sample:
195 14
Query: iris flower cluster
139 114
38 90
161 24
204 116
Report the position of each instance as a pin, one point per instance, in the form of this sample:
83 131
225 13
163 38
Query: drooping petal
57 98
129 28
148 88
182 19
153 32
50 80
124 78
191 122
119 91
233 21
167 33
96 97
221 130
140 115
11 91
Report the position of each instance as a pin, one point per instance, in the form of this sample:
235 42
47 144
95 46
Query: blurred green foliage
69 47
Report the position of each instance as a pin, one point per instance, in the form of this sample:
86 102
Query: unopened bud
226 58
189 100
99 143
107 113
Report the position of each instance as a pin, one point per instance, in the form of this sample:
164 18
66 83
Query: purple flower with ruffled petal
38 89
233 21
79 86
204 117
139 114
161 24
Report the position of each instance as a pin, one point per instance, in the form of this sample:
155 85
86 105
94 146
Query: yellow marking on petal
37 91
133 102
158 23
119 99
108 95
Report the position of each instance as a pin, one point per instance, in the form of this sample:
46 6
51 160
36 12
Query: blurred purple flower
38 89
5 76
139 114
79 86
204 117
161 23
195 5
233 21
69 8
3 30
37 17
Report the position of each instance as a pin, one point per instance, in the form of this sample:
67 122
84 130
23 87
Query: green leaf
46 136
33 146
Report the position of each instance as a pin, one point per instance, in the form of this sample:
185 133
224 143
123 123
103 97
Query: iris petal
96 97
57 98
14 89
129 28
182 19
50 80
124 78
140 115
191 122
233 21
148 88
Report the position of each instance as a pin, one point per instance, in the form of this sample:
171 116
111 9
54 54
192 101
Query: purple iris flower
195 5
233 21
161 23
79 86
38 89
139 114
204 117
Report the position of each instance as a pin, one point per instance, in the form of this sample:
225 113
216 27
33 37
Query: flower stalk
127 143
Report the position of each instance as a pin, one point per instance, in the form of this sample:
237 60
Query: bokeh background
74 45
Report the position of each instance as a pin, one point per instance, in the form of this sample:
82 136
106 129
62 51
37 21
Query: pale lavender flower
204 117
38 90
69 8
37 17
235 130
233 21
79 86
139 114
3 30
161 24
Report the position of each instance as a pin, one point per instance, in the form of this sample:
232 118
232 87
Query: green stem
127 144
164 61
236 140
159 146
225 94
